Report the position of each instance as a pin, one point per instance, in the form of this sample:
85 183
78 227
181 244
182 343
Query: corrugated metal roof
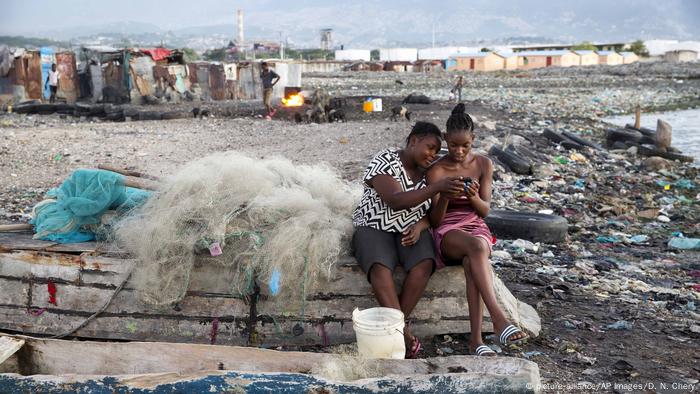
543 53
475 54
606 53
626 54
584 52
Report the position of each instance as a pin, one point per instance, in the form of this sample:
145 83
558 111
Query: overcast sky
484 18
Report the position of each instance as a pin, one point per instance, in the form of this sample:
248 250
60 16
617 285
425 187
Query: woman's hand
452 186
412 235
473 189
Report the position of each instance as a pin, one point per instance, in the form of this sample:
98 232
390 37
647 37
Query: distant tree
215 55
639 48
374 55
190 55
485 50
584 46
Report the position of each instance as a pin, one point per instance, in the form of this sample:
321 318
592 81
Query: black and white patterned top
373 211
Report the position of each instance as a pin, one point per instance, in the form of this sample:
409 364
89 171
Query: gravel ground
582 289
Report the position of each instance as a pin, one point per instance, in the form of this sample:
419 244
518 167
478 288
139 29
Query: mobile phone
467 183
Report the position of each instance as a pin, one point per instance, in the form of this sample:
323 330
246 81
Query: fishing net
73 211
267 221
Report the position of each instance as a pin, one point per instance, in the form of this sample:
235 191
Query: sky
593 20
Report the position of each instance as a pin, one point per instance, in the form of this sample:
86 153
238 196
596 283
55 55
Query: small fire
294 100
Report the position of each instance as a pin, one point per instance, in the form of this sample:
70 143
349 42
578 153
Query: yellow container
9 109
368 106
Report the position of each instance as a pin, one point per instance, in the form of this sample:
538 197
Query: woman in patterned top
390 221
461 235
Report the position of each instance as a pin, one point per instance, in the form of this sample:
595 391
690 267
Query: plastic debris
684 243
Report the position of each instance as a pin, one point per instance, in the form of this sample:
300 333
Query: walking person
456 91
52 81
269 79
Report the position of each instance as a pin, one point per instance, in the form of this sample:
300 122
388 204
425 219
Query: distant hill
31 42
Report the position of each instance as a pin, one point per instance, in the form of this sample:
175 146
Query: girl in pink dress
460 233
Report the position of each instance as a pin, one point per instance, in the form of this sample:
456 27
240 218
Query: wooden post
638 117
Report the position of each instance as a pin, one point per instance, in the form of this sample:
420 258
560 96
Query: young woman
460 233
391 224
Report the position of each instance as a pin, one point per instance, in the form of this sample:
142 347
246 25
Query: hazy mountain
367 24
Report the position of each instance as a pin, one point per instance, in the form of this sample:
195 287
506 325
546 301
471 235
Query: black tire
27 107
581 141
176 115
516 163
568 145
626 135
97 110
45 109
648 132
65 108
553 136
535 227
150 115
652 151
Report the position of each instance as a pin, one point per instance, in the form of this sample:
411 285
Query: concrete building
629 57
353 54
481 61
510 59
398 54
681 56
587 58
609 57
660 47
539 59
428 66
442 53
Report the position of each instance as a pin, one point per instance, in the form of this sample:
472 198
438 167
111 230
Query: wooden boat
50 289
32 365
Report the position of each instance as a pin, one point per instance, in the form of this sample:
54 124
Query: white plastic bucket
379 332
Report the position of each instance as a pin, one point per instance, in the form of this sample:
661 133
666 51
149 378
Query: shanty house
629 57
538 59
684 55
428 66
609 57
481 61
587 58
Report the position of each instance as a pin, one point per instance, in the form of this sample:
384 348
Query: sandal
417 347
509 331
483 350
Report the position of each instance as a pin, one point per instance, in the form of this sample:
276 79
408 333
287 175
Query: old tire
150 115
176 115
535 227
516 163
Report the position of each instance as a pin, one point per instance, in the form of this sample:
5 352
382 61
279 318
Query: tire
516 163
553 136
176 115
45 109
535 227
581 141
150 115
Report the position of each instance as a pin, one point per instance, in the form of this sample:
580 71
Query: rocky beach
618 299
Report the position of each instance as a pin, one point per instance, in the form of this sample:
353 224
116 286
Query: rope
104 307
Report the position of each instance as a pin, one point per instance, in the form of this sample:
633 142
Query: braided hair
459 120
422 129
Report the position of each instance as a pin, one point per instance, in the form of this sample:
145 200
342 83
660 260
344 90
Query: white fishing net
271 219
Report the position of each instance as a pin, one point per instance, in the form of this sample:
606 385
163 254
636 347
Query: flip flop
508 332
483 350
415 349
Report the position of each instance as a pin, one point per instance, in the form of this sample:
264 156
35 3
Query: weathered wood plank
165 329
9 346
22 241
340 308
13 292
73 298
33 264
162 366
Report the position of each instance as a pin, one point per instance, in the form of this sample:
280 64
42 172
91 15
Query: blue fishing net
80 202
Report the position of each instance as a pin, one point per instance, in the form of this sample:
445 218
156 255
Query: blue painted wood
234 382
